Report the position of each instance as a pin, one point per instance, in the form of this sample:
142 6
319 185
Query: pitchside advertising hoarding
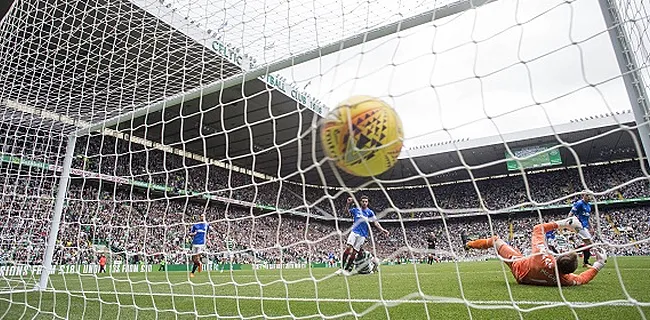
535 157
26 270
29 270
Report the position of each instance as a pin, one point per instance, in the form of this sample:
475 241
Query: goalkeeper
539 268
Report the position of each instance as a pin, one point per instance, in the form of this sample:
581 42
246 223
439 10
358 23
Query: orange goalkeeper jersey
539 268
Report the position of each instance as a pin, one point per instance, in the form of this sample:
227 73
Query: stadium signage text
272 80
24 270
8 271
271 266
232 55
279 82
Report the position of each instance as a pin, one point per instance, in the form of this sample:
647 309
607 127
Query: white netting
470 87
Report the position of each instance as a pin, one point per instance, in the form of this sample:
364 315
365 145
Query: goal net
127 124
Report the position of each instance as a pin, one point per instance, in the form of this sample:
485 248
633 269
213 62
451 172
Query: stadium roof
277 150
268 131
69 64
595 139
90 60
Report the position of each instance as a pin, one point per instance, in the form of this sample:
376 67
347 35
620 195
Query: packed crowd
131 223
117 157
36 144
132 226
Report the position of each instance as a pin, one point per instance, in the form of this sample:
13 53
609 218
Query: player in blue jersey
199 234
331 259
582 210
360 231
550 240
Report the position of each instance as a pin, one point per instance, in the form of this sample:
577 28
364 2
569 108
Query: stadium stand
139 224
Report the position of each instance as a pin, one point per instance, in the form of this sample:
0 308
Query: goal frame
619 39
627 64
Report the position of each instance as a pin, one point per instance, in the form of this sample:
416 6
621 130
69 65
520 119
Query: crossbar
349 42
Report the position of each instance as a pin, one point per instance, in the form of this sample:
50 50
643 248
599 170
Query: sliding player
365 263
360 231
558 242
581 209
539 268
198 233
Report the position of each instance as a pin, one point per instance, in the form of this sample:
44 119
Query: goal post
123 135
637 90
59 203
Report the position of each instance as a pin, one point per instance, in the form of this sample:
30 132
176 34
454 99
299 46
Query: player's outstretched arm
587 275
539 231
378 226
192 231
348 203
574 209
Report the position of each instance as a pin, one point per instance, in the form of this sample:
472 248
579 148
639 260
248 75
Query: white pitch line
426 299
237 274
10 291
263 273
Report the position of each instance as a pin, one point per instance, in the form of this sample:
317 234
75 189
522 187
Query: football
363 135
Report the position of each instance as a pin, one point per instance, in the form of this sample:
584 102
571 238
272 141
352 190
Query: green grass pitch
476 290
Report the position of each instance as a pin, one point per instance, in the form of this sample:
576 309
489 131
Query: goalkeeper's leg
483 243
504 250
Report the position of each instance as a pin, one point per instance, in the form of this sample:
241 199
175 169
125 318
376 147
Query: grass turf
477 290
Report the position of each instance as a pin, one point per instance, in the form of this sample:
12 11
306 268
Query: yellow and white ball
364 135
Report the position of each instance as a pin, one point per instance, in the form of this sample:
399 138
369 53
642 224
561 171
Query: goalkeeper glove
601 257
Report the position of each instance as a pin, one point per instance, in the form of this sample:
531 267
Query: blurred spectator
141 225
